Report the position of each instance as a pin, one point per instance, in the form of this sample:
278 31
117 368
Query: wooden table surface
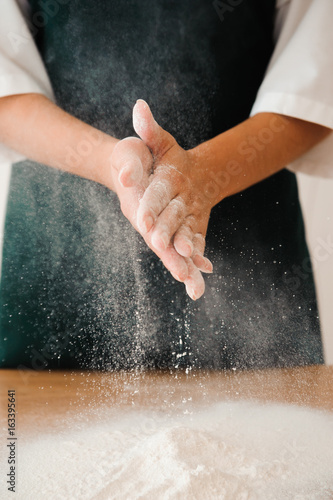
47 399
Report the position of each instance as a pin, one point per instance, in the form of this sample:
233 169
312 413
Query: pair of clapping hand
159 186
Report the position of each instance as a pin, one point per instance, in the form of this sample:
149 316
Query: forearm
35 127
252 151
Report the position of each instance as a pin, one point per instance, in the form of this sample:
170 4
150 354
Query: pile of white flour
232 450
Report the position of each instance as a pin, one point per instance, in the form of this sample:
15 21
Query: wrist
97 164
204 177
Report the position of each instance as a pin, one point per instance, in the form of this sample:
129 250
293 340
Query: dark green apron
79 286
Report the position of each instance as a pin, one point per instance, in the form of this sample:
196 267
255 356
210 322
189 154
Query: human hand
173 211
131 168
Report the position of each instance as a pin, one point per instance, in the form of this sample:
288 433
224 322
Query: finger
157 196
182 241
156 138
167 224
129 158
199 260
195 285
203 263
174 262
131 173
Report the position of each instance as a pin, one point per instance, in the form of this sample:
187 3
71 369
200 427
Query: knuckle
177 209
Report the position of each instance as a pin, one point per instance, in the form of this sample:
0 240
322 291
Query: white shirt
299 78
298 81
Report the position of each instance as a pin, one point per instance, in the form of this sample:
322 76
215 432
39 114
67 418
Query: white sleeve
298 81
21 67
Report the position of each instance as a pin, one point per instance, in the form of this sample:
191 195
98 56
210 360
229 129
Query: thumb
155 137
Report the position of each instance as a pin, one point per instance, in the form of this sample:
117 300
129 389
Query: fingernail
203 263
160 241
148 223
188 247
209 265
190 292
141 100
165 239
122 177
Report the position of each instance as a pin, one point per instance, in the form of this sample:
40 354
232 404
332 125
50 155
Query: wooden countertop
48 399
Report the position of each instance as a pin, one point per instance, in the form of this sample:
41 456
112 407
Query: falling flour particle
231 450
